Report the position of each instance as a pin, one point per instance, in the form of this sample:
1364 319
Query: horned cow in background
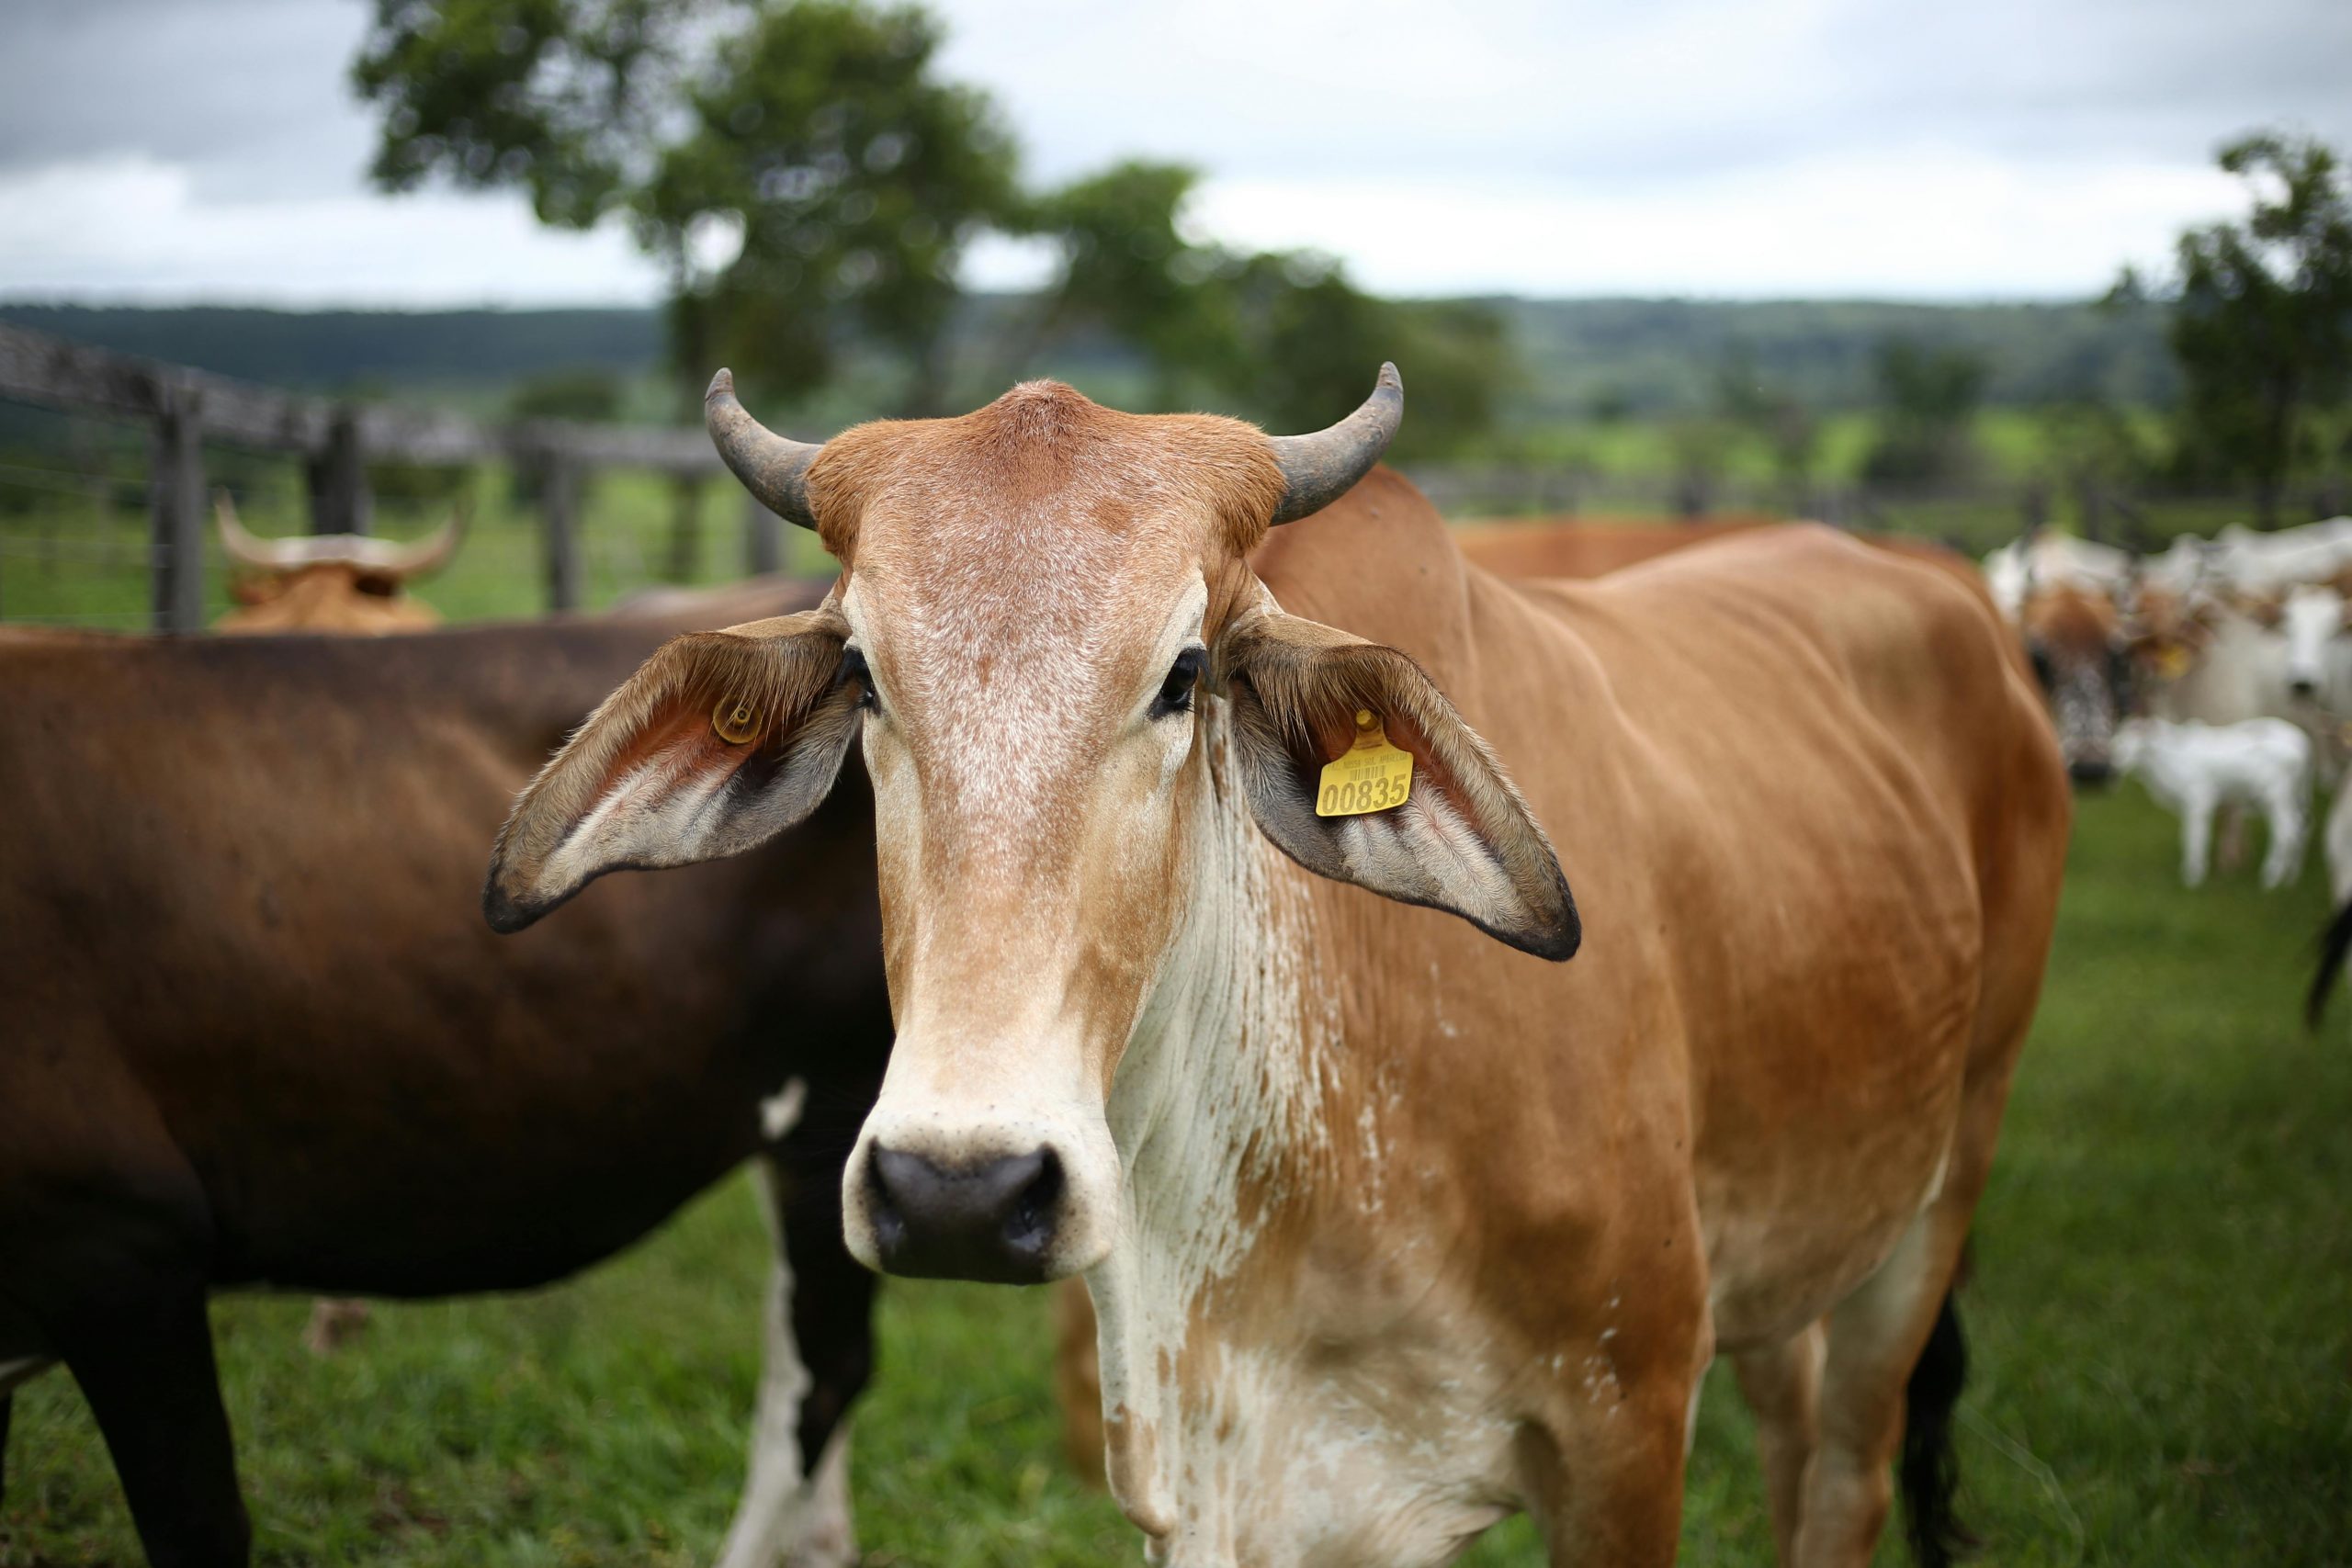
329 582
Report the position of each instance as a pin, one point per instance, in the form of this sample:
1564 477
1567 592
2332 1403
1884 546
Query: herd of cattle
1409 1189
2219 671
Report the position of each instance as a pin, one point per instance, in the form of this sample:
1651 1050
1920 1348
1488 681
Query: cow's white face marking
1030 820
2313 619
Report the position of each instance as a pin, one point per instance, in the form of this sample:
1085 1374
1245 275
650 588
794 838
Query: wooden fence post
176 502
339 500
559 499
762 539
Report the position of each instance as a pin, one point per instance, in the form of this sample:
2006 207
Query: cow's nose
2091 771
992 1220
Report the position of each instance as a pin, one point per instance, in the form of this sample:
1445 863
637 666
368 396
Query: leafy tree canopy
2262 313
1284 337
796 167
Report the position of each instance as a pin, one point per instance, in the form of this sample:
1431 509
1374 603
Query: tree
1772 415
1127 269
1281 336
2261 319
853 180
1927 401
794 165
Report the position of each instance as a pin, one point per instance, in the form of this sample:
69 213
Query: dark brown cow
252 1032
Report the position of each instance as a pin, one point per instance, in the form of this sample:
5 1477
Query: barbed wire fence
111 483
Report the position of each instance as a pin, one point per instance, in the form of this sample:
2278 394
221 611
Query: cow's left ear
720 742
1454 836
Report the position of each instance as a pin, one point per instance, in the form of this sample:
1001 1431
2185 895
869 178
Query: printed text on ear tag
1370 775
735 719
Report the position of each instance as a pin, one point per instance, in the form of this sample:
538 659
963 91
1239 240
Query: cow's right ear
722 741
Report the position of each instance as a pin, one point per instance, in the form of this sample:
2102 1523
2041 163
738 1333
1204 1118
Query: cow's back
1793 780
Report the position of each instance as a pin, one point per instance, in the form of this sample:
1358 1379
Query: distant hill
1664 355
334 350
1643 356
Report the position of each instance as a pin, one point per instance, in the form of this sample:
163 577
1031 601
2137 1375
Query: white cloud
131 228
1949 225
211 149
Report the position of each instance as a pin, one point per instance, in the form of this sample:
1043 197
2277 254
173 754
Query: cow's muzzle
994 1221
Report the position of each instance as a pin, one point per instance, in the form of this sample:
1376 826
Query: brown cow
331 583
1535 547
1570 547
253 1033
1392 1229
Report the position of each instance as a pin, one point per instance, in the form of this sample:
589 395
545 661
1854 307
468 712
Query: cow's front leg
142 1353
2284 859
817 1333
1608 1483
2196 840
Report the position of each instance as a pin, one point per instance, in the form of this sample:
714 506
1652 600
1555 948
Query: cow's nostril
882 1208
994 1219
1036 1208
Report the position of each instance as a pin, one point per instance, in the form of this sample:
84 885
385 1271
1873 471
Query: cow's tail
1930 1471
2334 944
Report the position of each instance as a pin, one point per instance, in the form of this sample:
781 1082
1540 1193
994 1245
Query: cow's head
2080 656
2313 617
331 583
1070 685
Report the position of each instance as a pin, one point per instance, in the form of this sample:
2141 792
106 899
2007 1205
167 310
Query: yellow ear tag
1370 775
2173 663
735 719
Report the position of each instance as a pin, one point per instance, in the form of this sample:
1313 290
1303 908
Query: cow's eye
853 670
1176 690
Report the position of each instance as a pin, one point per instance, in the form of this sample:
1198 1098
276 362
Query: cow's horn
246 548
378 558
1319 469
426 555
774 469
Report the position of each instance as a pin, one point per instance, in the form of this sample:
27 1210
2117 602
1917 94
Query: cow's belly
1792 1222
1829 1103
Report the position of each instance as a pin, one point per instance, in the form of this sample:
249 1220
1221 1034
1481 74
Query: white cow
2048 558
2194 769
2317 663
2272 563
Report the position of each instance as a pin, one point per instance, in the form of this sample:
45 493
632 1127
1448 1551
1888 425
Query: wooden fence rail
185 409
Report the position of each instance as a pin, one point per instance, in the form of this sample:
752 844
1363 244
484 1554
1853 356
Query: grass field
2161 1319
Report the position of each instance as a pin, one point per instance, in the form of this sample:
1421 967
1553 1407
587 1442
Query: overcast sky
209 149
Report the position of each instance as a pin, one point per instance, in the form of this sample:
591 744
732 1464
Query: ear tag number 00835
735 719
1370 775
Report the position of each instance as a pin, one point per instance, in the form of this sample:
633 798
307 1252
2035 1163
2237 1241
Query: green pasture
2161 1319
